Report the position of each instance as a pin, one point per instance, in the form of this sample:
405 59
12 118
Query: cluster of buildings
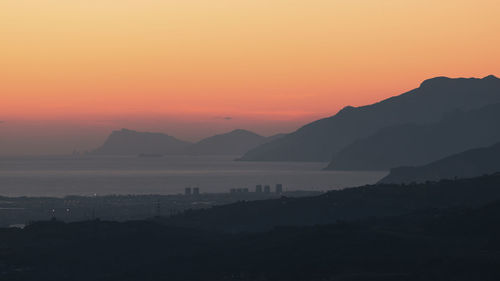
189 191
192 191
259 189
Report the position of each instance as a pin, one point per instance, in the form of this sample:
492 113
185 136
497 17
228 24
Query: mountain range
419 144
442 117
430 102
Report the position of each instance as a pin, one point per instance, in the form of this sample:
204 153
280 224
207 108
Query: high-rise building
196 191
267 189
258 188
279 188
187 191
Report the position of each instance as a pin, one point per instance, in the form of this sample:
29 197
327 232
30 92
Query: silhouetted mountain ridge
446 230
436 244
322 139
419 144
381 200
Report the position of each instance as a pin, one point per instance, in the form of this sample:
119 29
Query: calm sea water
90 175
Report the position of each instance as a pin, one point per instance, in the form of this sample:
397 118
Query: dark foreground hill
468 164
320 140
451 244
128 142
381 200
412 145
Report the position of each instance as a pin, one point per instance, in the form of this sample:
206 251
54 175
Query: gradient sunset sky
73 70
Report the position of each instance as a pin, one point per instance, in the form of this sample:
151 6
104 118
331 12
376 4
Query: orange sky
75 69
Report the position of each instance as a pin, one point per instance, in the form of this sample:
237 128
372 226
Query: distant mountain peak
442 80
241 131
126 131
235 142
491 77
436 81
346 109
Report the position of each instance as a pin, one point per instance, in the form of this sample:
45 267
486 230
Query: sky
72 71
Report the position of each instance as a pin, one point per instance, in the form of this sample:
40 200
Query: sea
59 176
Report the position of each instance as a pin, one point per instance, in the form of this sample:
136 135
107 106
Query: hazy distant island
129 142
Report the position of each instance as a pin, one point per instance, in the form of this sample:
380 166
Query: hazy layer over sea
89 175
